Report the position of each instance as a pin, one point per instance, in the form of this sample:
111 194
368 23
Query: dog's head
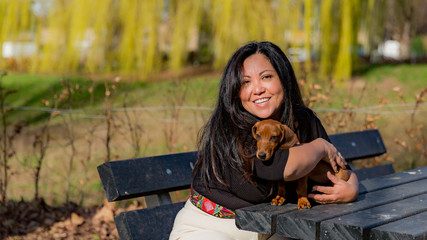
270 134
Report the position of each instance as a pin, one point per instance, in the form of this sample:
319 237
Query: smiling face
261 92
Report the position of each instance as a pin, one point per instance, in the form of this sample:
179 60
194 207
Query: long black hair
226 141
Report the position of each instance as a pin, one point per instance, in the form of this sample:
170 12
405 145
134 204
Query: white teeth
262 100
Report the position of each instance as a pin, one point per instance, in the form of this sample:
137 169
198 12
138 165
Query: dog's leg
302 193
280 198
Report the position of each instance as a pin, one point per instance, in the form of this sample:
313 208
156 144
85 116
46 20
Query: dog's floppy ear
290 137
254 127
283 131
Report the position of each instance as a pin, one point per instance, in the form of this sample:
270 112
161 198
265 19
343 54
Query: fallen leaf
76 220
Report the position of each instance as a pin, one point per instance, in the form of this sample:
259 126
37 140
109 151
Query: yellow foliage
343 66
326 21
308 33
186 19
140 37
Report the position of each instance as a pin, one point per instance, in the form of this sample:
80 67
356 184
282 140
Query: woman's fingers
326 195
334 157
333 179
324 189
333 163
337 159
341 161
340 192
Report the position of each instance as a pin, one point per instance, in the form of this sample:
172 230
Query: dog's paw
303 203
278 201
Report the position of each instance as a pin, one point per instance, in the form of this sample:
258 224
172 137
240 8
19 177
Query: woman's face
261 92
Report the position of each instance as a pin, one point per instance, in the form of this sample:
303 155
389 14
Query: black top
242 193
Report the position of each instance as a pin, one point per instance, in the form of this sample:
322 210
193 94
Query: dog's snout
262 155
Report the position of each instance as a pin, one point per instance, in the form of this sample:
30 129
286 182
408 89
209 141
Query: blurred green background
85 82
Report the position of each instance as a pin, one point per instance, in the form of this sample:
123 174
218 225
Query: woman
258 83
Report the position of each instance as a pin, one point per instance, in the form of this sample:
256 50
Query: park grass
153 107
33 90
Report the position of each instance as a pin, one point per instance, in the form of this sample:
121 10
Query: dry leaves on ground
37 220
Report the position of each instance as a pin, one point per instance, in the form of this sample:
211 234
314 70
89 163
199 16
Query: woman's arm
340 192
303 158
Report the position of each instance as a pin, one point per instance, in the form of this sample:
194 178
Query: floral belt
210 207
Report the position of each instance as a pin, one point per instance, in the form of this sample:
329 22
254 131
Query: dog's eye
273 138
258 137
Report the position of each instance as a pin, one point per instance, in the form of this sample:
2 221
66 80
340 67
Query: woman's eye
244 82
267 77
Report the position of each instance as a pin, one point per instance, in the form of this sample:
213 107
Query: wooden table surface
388 207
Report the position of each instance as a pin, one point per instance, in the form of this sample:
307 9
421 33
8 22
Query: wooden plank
374 172
358 145
153 223
413 227
261 218
386 181
357 225
296 223
132 178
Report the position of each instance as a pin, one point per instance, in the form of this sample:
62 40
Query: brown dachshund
270 135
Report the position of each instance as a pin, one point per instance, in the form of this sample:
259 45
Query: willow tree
308 29
344 60
235 22
186 20
141 37
16 21
326 28
137 50
291 13
372 24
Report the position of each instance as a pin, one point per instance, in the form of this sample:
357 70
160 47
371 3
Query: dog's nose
262 155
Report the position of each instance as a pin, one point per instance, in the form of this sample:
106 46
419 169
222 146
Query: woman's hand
340 192
332 156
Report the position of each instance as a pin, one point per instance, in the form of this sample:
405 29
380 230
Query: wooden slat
132 178
370 185
295 223
412 227
373 172
359 145
153 223
357 225
261 218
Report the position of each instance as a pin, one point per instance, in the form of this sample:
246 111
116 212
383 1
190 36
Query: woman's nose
258 87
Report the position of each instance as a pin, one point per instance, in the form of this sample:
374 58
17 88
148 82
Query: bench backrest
138 177
159 175
359 145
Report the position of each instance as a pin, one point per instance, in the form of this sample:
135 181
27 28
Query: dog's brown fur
270 135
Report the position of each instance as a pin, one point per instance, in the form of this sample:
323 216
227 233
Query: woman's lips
261 100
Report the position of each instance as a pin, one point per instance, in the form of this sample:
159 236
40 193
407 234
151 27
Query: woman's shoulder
304 113
309 126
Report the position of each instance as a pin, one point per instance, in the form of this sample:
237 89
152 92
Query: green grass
414 76
33 91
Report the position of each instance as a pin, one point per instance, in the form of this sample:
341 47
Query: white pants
192 223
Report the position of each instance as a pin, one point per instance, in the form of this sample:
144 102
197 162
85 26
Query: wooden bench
156 177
